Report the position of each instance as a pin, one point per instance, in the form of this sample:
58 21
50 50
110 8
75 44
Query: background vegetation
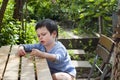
82 16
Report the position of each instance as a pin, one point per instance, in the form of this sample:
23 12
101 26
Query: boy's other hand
21 51
36 52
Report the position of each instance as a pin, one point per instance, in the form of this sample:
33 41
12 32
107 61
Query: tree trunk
100 24
18 9
116 56
2 11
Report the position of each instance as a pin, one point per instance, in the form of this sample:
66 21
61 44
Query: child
56 54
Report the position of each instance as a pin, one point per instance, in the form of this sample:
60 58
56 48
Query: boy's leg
62 76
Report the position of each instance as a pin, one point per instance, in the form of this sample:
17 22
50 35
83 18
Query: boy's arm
58 56
23 48
36 52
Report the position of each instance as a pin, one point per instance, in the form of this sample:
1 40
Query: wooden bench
104 52
13 67
76 46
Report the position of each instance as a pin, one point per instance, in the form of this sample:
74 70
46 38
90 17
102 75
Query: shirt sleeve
61 55
29 47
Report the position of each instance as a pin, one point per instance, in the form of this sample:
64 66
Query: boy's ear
54 34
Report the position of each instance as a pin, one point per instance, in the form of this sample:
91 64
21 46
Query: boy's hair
49 24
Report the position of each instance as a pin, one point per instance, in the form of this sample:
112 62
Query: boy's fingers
22 52
33 52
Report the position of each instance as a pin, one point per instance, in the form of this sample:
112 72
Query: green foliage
12 33
27 33
12 30
40 9
89 12
31 33
84 13
8 33
8 26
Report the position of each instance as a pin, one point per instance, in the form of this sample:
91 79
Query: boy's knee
62 76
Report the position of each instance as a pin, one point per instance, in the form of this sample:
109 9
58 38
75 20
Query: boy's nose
40 37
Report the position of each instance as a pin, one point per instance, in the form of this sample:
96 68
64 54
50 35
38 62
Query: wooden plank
27 69
4 50
43 72
81 64
3 59
106 42
12 68
14 49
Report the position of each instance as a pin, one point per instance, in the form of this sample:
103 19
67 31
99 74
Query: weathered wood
3 60
14 50
4 51
27 69
12 69
106 42
42 69
104 52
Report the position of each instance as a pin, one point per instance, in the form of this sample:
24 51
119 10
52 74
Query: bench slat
42 69
14 49
27 69
12 68
3 59
4 50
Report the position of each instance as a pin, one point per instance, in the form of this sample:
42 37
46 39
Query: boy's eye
44 34
38 35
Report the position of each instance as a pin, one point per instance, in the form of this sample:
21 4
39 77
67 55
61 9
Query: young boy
56 54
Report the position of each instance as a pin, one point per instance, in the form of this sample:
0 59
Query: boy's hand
21 51
36 52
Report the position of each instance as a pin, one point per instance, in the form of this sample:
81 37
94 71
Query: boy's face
45 37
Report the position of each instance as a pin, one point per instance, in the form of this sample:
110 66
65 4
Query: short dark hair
49 24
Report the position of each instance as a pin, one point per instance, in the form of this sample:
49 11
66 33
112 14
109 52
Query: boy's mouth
42 42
